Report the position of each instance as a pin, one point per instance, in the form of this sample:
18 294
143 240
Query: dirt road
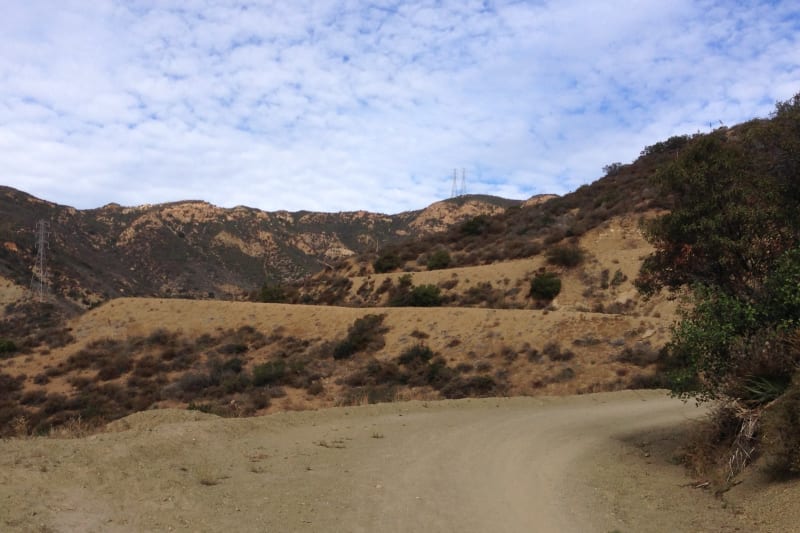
520 464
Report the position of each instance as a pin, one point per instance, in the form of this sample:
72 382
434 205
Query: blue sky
346 105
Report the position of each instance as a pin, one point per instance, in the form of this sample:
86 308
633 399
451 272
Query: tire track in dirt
509 464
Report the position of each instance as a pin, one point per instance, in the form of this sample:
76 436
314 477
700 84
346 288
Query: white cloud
332 105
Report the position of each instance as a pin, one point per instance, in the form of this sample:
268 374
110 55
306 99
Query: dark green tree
545 286
439 260
733 239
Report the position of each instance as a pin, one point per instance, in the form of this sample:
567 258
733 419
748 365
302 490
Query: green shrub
344 349
268 373
545 286
619 278
7 347
272 293
474 386
425 296
387 262
567 255
418 352
439 260
366 333
233 365
475 226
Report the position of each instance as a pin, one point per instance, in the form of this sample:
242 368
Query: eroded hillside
195 249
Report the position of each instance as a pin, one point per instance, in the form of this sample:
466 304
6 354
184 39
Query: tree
733 238
438 260
272 293
387 262
545 286
612 168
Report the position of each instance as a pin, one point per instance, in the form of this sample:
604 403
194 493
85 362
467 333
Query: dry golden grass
9 293
507 345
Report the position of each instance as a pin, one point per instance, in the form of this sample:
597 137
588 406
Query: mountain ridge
195 249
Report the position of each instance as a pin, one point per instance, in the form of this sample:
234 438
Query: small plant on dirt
619 278
641 354
555 353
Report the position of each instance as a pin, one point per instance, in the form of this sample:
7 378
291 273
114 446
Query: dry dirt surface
588 463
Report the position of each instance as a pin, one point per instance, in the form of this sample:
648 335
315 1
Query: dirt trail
519 464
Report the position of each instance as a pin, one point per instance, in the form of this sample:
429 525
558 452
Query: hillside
135 353
625 196
474 297
488 336
197 250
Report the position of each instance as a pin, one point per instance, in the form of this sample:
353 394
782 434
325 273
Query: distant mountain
195 249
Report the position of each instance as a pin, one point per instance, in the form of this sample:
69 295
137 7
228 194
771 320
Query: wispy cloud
333 105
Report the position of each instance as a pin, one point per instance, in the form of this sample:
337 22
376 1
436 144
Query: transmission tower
39 277
457 191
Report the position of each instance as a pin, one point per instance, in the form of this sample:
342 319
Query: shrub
233 348
425 296
418 352
344 349
567 255
483 292
545 286
370 394
114 367
9 385
193 382
618 278
612 169
470 387
475 226
7 347
158 337
365 333
271 293
439 260
232 365
641 354
316 388
565 374
268 373
387 262
554 352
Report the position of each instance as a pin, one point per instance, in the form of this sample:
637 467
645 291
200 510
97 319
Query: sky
343 105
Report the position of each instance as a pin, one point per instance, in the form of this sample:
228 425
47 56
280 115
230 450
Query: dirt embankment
588 463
